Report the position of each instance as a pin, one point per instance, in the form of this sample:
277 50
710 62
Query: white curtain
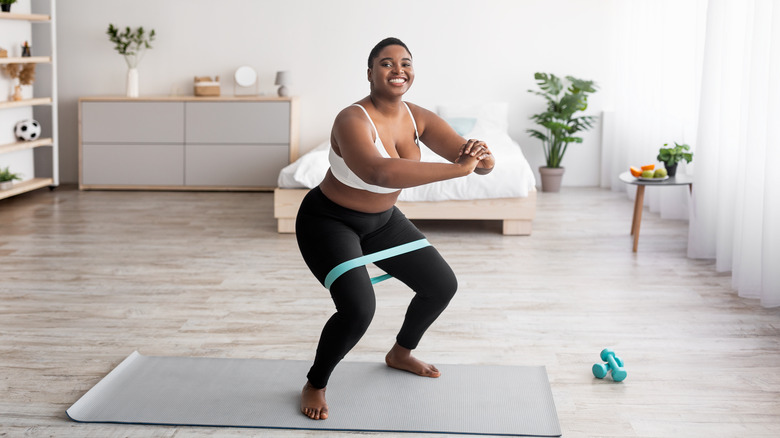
658 50
735 216
705 73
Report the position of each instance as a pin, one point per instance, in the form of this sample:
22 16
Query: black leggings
329 234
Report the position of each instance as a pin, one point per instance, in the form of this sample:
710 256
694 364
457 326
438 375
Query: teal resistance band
374 257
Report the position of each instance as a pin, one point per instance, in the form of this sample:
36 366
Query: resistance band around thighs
374 257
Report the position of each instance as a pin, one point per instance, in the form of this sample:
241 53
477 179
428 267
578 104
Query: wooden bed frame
515 213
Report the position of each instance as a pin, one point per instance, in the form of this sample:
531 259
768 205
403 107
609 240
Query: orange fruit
648 167
636 172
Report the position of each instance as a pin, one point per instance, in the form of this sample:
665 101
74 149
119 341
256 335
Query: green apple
647 174
660 173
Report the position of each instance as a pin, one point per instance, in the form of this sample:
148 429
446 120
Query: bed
507 194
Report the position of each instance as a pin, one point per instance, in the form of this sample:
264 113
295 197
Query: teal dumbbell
614 364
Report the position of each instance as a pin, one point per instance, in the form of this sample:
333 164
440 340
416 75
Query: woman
374 154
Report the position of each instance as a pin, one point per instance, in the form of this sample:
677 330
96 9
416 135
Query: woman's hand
478 150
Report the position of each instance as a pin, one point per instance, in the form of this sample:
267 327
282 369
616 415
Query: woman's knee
448 286
357 316
355 302
440 287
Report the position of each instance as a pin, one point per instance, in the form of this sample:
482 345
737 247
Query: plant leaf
549 83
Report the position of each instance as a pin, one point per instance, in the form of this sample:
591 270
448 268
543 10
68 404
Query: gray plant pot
6 185
551 178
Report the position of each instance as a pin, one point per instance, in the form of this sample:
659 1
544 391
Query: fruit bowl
641 178
649 173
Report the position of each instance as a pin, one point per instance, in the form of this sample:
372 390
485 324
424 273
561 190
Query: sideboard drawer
237 122
133 122
139 165
249 165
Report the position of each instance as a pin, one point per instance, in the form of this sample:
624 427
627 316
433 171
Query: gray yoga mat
362 396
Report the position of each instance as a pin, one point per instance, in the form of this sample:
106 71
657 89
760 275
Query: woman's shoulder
421 115
351 117
417 109
350 112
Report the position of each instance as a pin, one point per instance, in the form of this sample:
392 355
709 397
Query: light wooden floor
89 277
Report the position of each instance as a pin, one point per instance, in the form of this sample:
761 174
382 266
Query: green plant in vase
7 178
559 123
671 157
132 44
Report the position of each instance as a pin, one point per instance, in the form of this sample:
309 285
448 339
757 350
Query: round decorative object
28 130
246 76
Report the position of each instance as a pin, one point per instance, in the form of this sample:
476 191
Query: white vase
132 82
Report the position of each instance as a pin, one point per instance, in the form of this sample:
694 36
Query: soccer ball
28 130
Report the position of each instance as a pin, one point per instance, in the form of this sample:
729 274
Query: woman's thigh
419 269
325 243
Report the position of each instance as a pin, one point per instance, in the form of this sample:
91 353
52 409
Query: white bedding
512 177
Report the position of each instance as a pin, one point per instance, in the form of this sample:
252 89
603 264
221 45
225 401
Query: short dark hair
381 45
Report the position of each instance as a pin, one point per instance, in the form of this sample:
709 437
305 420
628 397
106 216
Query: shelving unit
33 21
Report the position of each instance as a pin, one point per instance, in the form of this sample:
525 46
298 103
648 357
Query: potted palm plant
671 157
558 122
7 178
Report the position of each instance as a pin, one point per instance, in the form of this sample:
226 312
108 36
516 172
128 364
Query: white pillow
492 115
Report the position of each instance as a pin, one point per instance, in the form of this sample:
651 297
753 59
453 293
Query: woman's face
392 71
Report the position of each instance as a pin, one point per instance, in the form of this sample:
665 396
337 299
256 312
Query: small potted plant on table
672 156
7 178
559 123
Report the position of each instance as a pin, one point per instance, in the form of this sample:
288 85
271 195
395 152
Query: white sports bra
343 173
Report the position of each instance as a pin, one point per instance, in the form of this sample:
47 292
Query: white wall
464 51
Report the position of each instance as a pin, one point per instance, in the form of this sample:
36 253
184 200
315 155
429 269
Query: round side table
626 177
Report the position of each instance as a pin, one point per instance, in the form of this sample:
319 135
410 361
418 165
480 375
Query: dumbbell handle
616 365
600 370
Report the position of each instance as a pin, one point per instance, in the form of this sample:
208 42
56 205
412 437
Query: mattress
512 176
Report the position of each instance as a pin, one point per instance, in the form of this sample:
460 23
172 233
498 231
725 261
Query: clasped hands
477 149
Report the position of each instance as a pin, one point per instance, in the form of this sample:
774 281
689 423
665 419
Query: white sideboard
186 143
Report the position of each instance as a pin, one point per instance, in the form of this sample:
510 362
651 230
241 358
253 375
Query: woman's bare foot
313 403
401 358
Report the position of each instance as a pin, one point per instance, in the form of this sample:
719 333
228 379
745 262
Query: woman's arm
352 139
441 138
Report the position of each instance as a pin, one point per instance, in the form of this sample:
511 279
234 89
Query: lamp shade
282 78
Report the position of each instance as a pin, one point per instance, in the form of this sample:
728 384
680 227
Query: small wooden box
205 87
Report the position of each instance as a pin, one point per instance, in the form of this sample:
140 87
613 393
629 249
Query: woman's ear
368 74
